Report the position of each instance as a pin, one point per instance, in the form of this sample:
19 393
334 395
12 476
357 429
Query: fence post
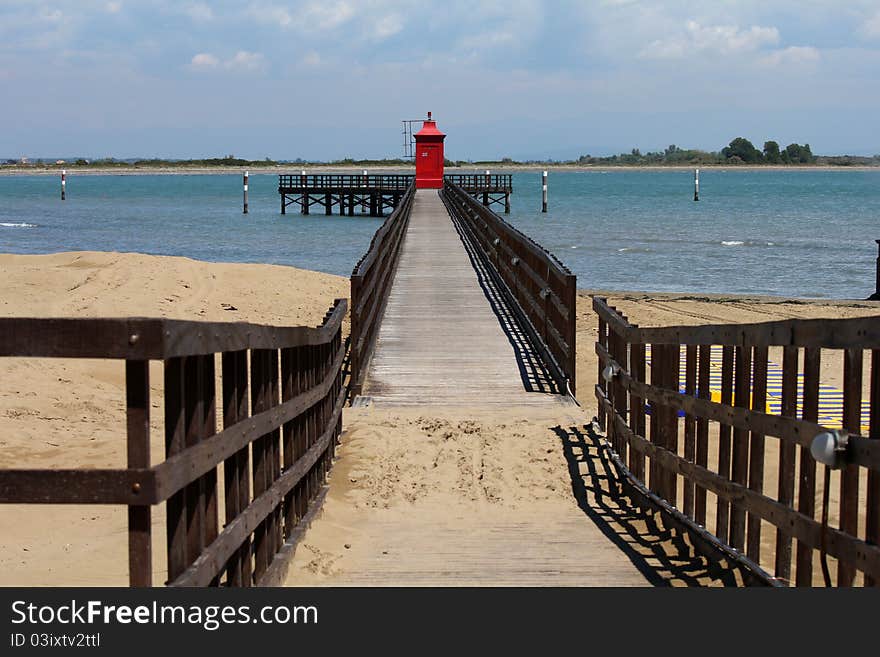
137 402
876 296
355 357
571 331
637 408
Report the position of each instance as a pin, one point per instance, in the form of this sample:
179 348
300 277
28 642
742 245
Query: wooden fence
701 458
542 289
282 397
370 285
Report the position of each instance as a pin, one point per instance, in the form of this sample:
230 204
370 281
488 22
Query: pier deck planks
440 341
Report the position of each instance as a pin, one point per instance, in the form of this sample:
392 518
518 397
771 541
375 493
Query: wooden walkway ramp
447 337
453 470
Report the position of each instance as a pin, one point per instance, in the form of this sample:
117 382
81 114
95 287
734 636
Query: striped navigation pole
63 184
696 184
245 210
544 192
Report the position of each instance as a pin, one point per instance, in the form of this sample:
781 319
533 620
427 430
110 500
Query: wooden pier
447 336
371 194
490 188
374 194
452 309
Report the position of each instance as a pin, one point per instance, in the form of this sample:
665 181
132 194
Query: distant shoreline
55 170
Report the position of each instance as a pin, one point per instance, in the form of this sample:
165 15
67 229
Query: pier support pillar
283 203
328 201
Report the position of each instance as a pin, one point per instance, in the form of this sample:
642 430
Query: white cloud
794 55
240 61
204 61
387 26
270 14
245 61
721 39
199 12
328 15
870 29
113 7
313 16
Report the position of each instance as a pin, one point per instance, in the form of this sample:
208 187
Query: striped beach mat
830 398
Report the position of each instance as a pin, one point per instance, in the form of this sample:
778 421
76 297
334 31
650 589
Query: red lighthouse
429 156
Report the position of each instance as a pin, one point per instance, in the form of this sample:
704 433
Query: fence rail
282 394
709 386
478 182
543 290
344 182
370 285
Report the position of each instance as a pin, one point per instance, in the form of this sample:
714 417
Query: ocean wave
635 249
746 243
17 225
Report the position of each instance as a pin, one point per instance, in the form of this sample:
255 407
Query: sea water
797 233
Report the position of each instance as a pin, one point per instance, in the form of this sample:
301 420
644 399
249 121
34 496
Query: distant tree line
739 151
742 150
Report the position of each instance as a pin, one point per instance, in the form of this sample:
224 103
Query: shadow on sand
661 555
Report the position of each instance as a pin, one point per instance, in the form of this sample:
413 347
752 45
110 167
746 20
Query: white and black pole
696 184
245 209
544 192
63 184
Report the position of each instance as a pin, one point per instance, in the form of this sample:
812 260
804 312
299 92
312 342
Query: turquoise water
791 232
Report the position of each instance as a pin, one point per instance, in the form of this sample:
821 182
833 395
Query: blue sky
513 78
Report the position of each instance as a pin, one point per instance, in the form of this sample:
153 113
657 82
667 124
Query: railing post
740 464
236 468
356 330
877 282
620 401
637 408
137 402
849 476
807 479
602 340
690 433
175 431
571 331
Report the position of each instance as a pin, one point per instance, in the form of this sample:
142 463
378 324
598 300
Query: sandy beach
70 414
459 466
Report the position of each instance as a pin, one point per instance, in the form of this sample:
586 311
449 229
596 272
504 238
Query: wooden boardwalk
447 337
451 472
